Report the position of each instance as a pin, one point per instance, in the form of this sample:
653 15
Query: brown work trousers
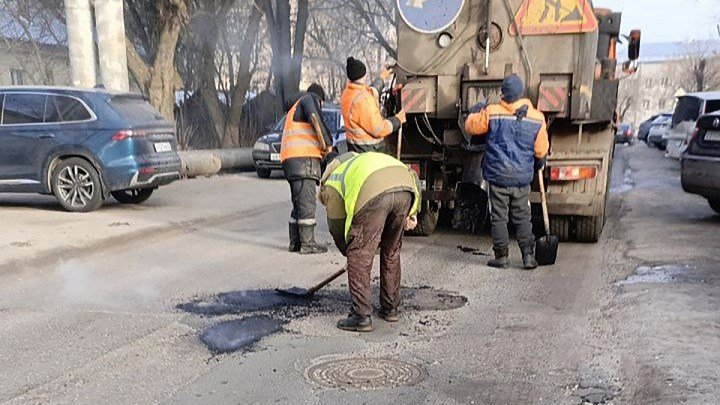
380 223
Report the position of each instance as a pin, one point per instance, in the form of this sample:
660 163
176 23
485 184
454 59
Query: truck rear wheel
560 227
589 229
427 219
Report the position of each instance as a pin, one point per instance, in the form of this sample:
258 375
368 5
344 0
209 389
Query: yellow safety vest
348 179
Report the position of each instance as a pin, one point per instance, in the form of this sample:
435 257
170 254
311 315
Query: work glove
540 163
478 107
401 116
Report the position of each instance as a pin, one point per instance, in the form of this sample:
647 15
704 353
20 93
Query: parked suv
266 151
700 163
687 111
83 146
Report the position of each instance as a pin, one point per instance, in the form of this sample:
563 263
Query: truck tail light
571 173
415 167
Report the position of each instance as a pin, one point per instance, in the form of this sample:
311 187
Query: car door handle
46 136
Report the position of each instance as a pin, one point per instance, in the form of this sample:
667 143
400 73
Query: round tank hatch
430 16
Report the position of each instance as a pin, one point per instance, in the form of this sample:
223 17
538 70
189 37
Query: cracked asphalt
92 305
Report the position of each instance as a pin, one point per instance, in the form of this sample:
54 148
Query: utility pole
110 25
80 43
110 28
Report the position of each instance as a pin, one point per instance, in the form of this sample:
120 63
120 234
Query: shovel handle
546 216
399 143
326 281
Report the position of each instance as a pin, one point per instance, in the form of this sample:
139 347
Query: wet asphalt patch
266 311
669 274
230 336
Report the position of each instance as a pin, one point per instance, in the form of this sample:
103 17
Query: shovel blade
546 250
294 292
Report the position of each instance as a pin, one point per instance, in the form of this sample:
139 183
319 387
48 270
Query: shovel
302 293
546 248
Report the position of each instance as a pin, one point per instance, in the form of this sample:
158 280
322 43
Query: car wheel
77 186
263 173
715 204
135 196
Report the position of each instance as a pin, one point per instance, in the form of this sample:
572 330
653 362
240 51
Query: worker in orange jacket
305 141
366 128
517 146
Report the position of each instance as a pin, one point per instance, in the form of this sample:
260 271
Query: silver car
700 163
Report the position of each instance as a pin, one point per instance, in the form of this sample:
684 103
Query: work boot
390 315
501 259
529 262
356 323
294 237
308 246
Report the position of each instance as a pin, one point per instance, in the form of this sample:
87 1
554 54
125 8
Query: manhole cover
366 373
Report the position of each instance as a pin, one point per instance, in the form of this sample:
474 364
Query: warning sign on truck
547 17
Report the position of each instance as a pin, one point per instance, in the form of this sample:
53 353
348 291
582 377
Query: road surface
110 307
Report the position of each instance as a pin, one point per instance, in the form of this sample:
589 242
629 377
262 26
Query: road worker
516 147
371 199
365 125
305 141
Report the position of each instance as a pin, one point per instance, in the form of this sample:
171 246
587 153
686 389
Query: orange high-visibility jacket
299 139
365 126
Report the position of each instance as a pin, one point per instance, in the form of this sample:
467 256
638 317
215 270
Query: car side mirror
634 45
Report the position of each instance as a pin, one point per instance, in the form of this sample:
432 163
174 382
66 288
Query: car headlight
261 146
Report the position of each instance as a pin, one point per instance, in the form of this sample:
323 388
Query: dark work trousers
511 203
303 201
379 223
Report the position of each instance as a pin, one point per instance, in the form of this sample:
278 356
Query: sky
668 20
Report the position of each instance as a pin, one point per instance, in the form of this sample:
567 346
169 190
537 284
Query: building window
17 76
646 104
665 81
49 77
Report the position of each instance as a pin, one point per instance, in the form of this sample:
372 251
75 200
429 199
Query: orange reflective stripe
299 139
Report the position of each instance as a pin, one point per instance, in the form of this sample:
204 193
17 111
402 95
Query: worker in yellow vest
371 199
305 141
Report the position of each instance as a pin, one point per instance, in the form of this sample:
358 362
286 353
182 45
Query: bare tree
287 37
31 30
153 30
218 55
698 70
375 19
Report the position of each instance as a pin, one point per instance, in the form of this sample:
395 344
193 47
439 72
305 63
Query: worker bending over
365 125
305 141
371 199
517 146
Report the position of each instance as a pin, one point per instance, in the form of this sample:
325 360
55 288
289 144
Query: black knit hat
355 69
317 90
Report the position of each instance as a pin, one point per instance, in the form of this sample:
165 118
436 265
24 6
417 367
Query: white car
687 111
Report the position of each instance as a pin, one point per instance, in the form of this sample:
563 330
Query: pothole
325 302
267 311
662 274
363 373
231 336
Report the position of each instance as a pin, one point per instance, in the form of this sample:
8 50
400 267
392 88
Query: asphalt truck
453 54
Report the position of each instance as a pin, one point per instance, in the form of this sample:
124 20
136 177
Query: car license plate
275 157
712 136
163 147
